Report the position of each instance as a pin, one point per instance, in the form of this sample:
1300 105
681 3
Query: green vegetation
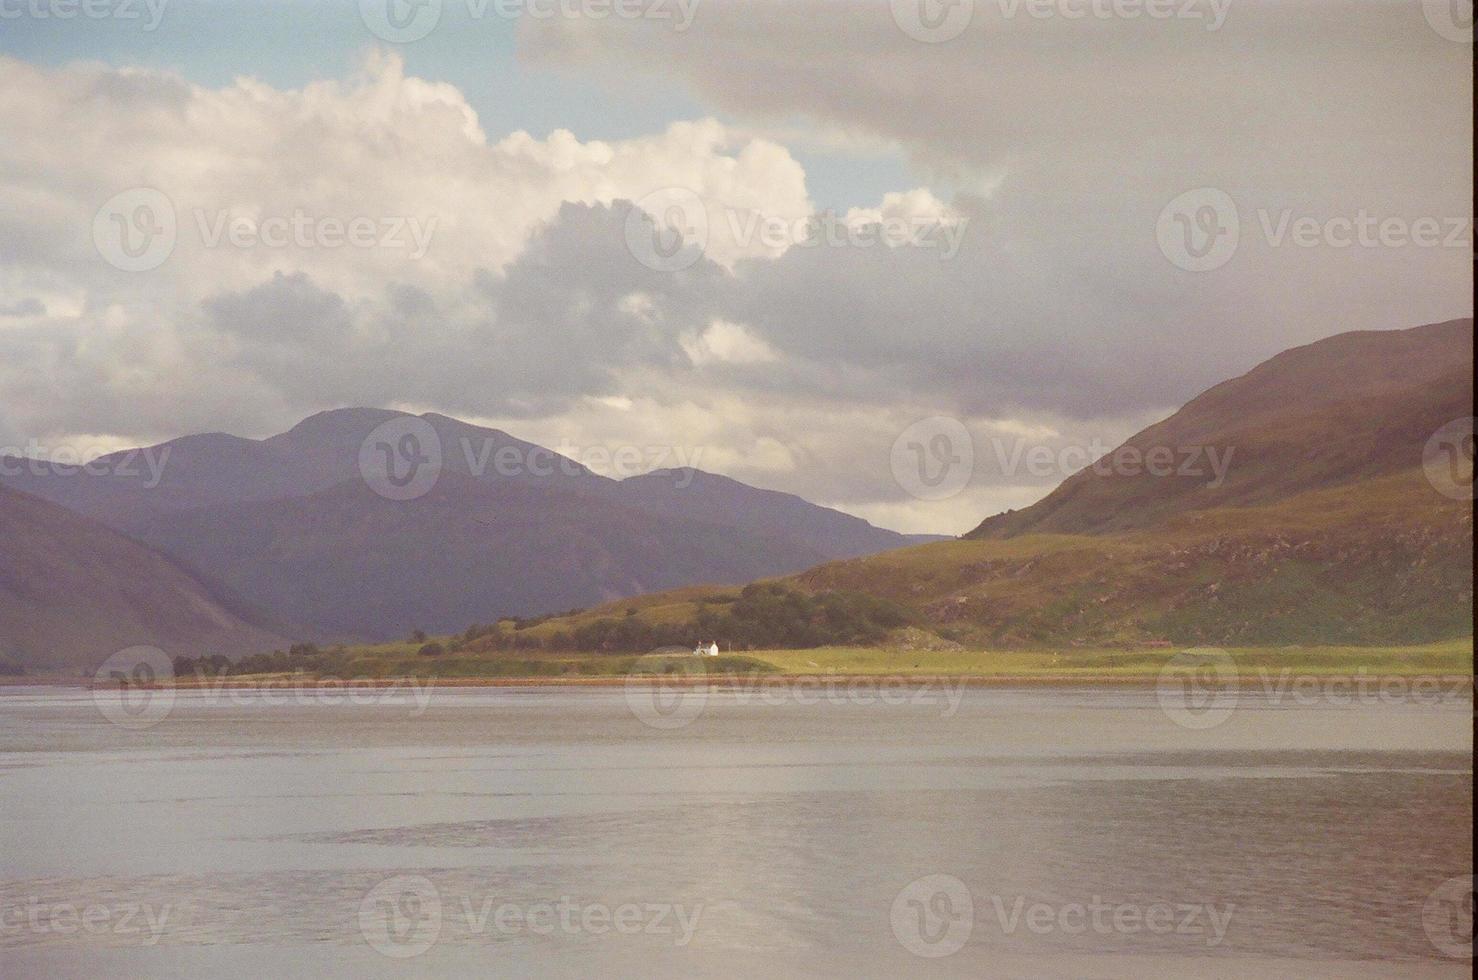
394 660
302 658
762 615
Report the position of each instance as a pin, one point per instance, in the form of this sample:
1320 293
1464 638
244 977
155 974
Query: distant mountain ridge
507 527
72 592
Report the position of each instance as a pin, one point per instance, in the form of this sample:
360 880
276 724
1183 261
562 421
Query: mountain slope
348 563
1384 560
1325 531
508 528
1347 408
73 591
720 500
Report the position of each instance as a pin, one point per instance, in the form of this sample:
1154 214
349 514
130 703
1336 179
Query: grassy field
1449 658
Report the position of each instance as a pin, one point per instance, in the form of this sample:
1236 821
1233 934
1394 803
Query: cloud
495 276
29 306
726 343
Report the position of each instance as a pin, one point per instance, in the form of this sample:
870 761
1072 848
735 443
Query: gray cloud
1059 141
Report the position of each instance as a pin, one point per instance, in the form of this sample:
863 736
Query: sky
914 259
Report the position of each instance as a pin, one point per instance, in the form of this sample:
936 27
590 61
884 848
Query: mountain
1325 529
503 528
73 591
349 562
720 500
1351 407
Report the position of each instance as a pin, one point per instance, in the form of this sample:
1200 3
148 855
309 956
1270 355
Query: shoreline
1447 681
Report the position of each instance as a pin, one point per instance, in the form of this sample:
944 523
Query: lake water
514 832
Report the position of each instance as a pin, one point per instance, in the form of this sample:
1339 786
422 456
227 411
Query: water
512 832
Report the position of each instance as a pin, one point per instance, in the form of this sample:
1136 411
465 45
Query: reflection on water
1028 833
